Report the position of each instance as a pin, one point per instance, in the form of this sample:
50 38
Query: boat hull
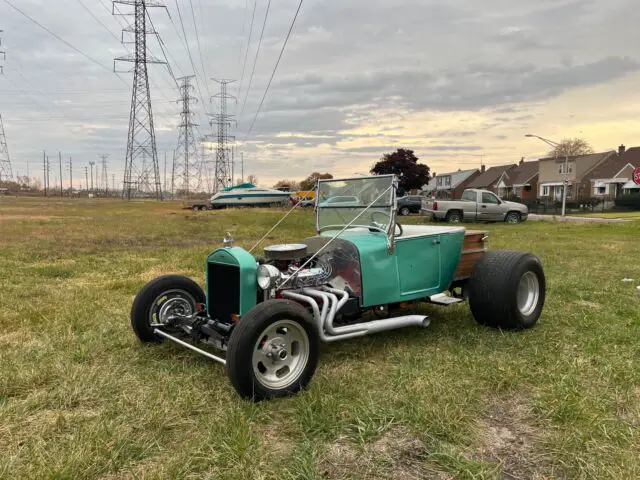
250 200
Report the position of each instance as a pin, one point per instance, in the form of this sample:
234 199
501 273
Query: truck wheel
513 217
161 298
507 290
454 216
404 211
273 351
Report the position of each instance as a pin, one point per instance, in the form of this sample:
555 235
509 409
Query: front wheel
507 290
161 298
273 351
404 211
513 218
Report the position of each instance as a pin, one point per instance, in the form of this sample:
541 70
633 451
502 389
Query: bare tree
291 184
252 179
571 147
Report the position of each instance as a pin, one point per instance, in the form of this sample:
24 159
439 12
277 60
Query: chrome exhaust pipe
324 319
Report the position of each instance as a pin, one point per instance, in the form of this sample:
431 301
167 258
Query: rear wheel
161 298
454 216
404 211
507 290
273 351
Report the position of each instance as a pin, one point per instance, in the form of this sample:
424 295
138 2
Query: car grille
223 291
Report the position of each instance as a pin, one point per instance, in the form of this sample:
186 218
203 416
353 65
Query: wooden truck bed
473 248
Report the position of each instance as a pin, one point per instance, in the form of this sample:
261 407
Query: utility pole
141 142
223 122
6 173
242 157
92 164
186 157
165 172
44 171
48 173
70 176
173 175
86 178
113 182
60 162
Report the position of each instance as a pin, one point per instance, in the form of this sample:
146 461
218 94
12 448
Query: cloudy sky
458 81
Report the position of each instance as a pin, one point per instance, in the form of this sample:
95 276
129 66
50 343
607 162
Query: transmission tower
141 142
187 175
222 121
104 176
6 173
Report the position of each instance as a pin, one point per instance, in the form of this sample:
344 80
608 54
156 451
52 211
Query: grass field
81 398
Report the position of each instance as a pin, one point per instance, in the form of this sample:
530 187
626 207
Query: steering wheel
382 226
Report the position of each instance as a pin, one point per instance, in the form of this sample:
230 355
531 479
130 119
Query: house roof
614 164
592 159
490 176
456 179
522 174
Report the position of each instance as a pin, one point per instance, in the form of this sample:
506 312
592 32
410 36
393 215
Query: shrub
631 202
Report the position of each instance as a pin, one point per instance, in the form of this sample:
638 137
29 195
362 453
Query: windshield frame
389 231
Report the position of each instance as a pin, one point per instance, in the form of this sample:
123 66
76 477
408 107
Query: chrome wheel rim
528 293
455 218
170 303
513 218
281 354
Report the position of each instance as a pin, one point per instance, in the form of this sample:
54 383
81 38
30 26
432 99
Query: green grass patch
81 398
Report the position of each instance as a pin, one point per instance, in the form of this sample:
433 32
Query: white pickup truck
475 206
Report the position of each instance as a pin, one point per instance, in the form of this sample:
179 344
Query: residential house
490 177
450 185
521 181
553 173
608 179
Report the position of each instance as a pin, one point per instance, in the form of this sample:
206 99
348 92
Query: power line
204 70
255 61
284 45
186 42
246 53
58 37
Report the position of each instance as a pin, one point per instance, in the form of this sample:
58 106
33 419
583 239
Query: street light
566 168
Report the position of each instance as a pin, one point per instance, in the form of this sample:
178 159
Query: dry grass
81 398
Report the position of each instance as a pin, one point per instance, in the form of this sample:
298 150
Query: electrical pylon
222 121
141 141
187 175
6 174
104 176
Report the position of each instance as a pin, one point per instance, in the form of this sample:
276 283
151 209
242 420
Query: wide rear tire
273 351
507 290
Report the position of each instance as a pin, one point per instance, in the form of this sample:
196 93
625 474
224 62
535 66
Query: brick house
490 177
607 180
521 181
450 185
552 175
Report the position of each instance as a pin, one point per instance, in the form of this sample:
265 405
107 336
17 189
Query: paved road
558 218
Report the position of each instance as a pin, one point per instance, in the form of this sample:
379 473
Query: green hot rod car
353 278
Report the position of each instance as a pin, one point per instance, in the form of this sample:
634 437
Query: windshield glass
341 201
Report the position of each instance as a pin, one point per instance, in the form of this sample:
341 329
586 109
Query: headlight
267 276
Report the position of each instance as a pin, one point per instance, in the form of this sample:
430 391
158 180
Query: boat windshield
341 202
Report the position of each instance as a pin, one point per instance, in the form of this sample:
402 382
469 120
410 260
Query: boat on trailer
249 195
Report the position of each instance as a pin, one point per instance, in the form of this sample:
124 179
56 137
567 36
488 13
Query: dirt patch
395 455
28 217
509 435
586 303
